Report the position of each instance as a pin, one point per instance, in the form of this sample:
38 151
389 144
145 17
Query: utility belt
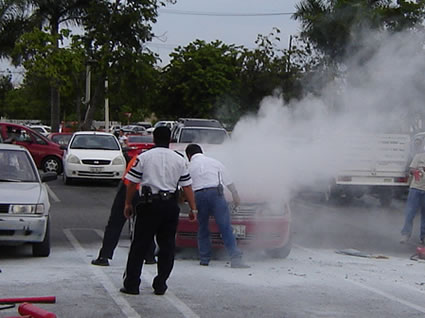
218 188
148 197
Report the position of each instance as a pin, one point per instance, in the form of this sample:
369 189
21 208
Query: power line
225 14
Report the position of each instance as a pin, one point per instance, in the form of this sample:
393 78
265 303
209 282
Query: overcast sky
189 20
231 21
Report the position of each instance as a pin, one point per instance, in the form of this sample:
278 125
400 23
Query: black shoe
203 263
158 289
129 291
100 261
238 264
150 261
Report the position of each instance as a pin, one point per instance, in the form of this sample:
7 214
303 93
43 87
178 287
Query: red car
255 225
138 143
46 154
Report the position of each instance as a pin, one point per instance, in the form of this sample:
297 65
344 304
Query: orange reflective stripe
129 166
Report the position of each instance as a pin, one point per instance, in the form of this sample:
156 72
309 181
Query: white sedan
24 201
93 155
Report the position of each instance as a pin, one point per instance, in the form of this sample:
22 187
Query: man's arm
190 197
128 208
235 194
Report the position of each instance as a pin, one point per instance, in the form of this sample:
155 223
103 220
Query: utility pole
106 106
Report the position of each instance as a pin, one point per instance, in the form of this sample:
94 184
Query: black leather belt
164 196
207 189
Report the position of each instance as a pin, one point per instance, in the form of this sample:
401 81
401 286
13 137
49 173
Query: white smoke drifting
287 148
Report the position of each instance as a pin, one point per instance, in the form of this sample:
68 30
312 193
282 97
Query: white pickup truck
375 164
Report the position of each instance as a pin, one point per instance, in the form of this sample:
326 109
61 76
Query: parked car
93 155
24 200
205 135
168 123
146 124
138 144
134 129
46 154
60 138
256 225
42 129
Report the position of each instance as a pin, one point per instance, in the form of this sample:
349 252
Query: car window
16 166
100 142
38 139
208 136
61 139
135 139
17 133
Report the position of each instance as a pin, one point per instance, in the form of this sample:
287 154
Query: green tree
196 77
114 36
334 26
12 25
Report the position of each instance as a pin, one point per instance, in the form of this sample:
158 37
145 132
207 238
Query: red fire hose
40 300
34 311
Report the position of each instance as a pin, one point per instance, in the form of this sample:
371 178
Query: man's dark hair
162 135
193 149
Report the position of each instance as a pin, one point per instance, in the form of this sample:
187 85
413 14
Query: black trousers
158 218
116 223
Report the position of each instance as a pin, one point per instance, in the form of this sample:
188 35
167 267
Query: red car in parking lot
46 154
138 144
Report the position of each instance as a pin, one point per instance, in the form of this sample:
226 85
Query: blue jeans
415 201
210 203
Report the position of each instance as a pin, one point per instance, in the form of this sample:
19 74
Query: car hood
20 192
95 154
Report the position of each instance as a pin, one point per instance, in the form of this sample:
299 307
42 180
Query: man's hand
192 215
128 210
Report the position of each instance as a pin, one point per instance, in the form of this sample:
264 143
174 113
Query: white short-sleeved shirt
207 172
418 162
161 169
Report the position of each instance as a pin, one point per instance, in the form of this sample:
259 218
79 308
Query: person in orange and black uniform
159 171
115 224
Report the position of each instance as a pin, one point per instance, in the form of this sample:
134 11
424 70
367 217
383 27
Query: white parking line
52 194
103 279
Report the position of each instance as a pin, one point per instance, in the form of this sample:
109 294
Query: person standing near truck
415 198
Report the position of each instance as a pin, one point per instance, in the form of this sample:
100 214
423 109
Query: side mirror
63 147
49 176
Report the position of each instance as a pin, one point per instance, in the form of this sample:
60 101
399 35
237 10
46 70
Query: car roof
12 147
93 133
202 122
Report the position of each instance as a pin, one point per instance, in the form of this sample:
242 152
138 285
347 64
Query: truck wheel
42 249
281 252
52 164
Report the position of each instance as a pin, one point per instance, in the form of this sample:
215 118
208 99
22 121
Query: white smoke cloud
285 148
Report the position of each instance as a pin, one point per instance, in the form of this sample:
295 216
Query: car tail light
401 179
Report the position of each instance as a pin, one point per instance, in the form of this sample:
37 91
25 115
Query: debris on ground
354 252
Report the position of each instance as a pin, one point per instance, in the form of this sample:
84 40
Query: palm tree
52 14
11 24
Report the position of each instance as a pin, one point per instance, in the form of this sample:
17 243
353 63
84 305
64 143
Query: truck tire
42 249
281 252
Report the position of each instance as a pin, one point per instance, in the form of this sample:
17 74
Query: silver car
24 201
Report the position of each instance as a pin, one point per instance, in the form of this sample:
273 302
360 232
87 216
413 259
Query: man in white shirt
159 172
123 139
208 176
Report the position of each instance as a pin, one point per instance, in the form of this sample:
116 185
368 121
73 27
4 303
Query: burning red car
138 143
256 224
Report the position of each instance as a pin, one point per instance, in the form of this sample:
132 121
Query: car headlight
26 208
118 161
73 159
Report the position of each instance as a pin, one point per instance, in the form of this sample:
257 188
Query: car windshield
100 142
140 139
16 166
61 139
207 136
